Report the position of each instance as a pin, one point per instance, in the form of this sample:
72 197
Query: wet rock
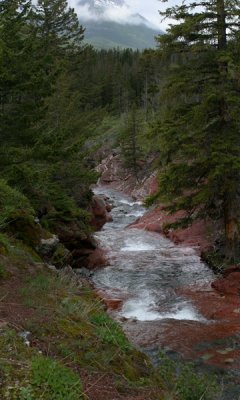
84 272
97 259
101 212
113 304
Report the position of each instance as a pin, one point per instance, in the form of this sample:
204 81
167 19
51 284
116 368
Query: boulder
48 246
97 259
100 210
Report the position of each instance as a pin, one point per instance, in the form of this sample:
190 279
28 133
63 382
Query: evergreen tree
130 140
58 26
199 121
18 89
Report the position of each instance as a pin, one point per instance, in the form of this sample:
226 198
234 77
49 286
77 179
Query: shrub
12 204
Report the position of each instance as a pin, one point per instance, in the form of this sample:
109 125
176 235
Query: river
148 275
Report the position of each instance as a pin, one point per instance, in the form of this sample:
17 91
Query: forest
179 103
62 102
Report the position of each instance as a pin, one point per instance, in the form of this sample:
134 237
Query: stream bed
154 284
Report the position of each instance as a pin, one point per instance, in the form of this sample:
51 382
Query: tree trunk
231 222
221 25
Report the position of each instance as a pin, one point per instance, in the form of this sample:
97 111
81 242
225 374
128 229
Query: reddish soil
101 387
12 311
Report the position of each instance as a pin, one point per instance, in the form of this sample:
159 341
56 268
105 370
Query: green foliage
198 126
5 244
12 204
110 332
3 272
130 140
54 380
183 382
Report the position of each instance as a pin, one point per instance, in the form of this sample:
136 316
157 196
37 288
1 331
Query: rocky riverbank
203 235
165 297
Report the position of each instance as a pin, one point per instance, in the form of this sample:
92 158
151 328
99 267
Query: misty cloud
125 14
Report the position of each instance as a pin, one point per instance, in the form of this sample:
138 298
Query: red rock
154 227
115 175
110 300
113 304
229 285
99 209
108 207
97 259
232 268
98 206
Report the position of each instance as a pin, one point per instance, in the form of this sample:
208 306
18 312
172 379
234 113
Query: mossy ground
76 350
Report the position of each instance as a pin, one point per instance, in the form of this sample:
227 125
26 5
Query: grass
75 334
183 383
28 375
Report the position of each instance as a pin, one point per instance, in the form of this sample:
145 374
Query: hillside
110 34
112 24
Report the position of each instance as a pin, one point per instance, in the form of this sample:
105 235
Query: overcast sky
147 8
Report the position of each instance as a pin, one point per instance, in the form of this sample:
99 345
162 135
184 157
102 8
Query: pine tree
199 121
16 70
58 26
130 140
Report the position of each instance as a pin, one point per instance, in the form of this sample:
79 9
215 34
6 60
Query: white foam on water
141 310
137 246
186 313
130 203
136 213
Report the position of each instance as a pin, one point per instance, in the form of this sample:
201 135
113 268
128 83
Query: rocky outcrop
100 210
116 175
80 245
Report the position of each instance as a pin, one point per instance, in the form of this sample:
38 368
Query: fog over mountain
116 23
129 12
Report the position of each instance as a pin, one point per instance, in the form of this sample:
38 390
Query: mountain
111 24
110 34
